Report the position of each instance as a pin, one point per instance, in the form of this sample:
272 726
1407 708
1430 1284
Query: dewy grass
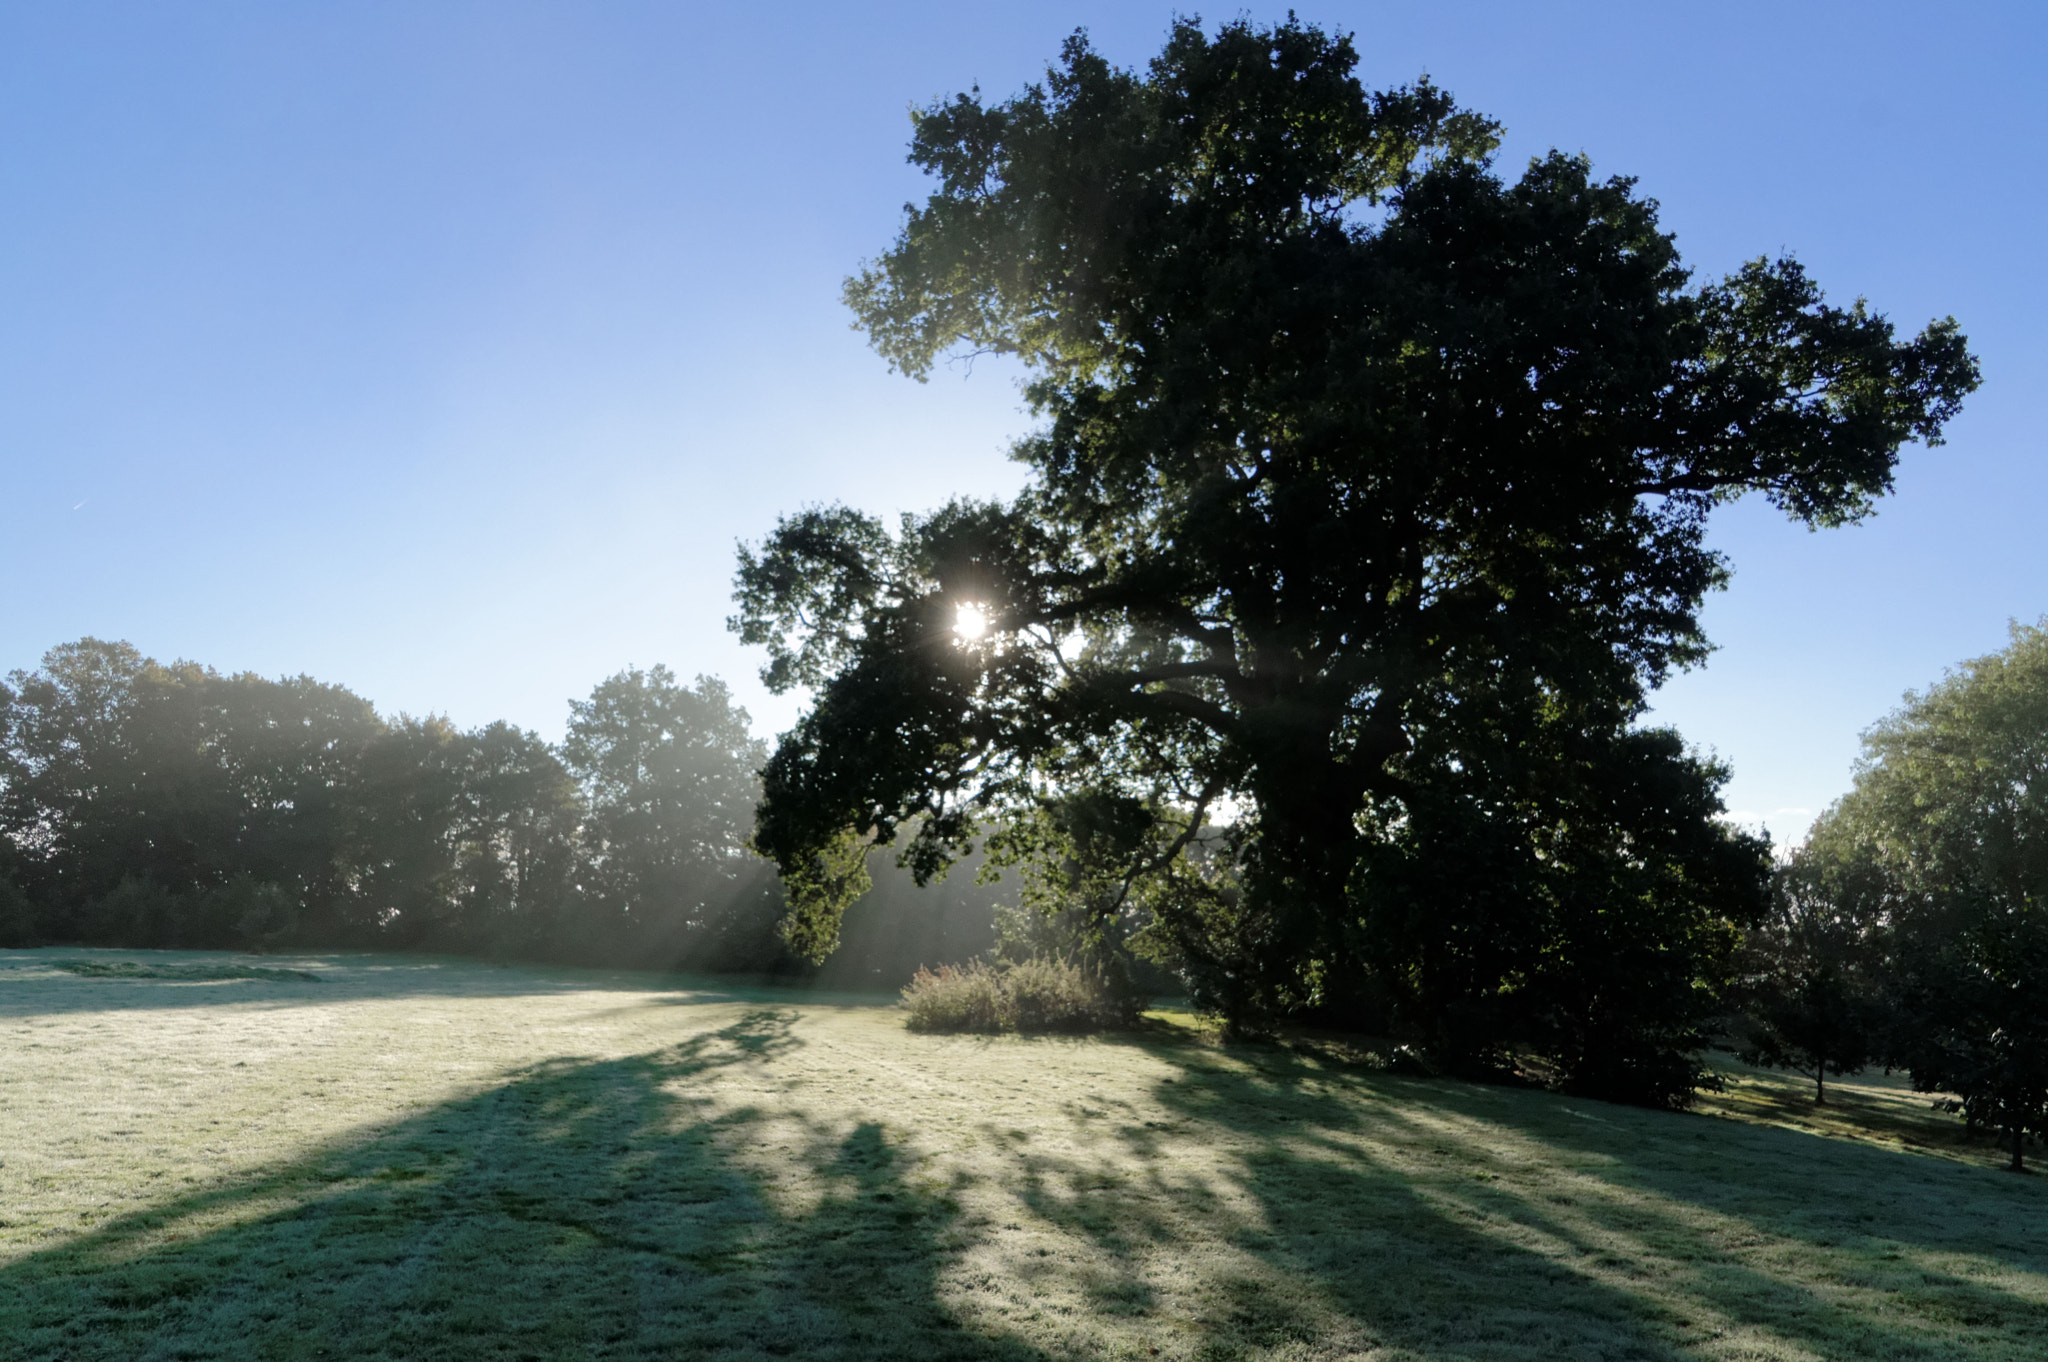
433 1159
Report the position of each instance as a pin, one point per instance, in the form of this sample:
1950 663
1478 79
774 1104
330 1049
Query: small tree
1098 865
1810 978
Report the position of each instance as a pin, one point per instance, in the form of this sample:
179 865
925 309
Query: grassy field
410 1158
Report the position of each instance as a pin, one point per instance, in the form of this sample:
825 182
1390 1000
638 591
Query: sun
971 622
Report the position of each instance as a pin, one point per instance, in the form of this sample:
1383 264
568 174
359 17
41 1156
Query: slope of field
419 1159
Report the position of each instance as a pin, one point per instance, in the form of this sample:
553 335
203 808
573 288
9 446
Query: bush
963 998
1032 995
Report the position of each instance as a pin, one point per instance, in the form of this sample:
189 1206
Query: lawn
205 1156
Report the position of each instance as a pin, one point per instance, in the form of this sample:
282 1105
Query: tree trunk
1296 884
2018 1165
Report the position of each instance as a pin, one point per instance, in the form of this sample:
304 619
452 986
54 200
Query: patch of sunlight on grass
440 1159
1873 1107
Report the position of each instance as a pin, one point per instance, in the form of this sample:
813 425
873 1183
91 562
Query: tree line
1911 929
153 805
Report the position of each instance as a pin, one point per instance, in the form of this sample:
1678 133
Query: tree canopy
1367 506
1812 980
1942 846
670 771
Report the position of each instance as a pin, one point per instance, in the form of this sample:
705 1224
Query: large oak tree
1366 509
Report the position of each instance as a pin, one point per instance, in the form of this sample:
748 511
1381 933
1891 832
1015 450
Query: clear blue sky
444 350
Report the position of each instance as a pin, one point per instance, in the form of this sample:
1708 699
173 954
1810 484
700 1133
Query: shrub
955 998
1032 995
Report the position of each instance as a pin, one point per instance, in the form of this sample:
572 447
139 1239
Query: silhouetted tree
131 792
152 805
1367 509
403 814
290 751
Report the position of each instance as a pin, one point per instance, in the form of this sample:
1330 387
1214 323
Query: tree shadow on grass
1872 1252
1452 1220
1245 1204
1882 1109
582 1210
1317 1252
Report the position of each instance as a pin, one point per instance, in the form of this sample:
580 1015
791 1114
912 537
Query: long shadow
1883 1109
1342 1256
582 1210
1928 1238
1391 1199
630 1209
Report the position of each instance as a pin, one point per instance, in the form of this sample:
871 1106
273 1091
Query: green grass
437 1159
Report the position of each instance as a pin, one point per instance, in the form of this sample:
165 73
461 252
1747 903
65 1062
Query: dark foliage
1812 988
1367 508
1943 842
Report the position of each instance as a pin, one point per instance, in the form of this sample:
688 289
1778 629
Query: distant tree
72 770
1812 973
1368 507
156 805
133 790
1950 810
670 775
519 816
19 926
290 751
404 815
151 805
